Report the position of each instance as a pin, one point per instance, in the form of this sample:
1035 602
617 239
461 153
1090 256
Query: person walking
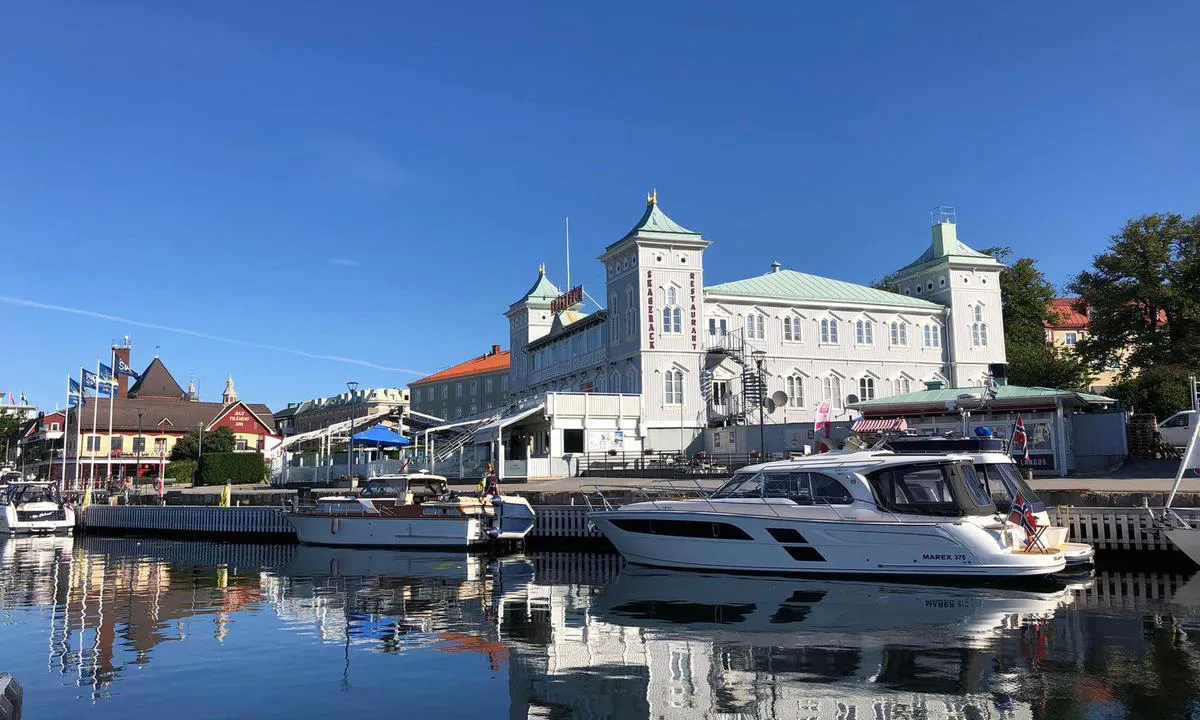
490 484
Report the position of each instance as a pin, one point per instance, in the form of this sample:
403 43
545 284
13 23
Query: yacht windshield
946 489
21 494
1003 482
741 485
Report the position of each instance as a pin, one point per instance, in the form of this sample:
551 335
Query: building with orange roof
1066 327
466 389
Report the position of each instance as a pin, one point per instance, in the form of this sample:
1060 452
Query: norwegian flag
1022 514
1020 438
821 420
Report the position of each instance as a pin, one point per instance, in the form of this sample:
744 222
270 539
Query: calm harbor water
119 628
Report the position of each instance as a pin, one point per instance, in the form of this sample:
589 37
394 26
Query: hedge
183 471
238 468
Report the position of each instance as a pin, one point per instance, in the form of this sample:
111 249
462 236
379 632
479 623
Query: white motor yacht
857 513
1002 479
389 513
34 507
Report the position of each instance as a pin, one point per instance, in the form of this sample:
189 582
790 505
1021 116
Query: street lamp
759 356
141 445
199 451
353 386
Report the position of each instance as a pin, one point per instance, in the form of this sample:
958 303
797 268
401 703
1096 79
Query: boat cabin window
801 487
949 489
741 485
1002 481
379 489
21 494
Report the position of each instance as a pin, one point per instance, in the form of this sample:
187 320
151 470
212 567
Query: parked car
1178 428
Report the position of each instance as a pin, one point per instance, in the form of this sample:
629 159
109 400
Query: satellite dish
780 398
769 405
851 399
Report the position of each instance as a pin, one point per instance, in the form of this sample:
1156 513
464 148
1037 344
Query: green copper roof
1004 394
543 289
792 285
957 249
654 220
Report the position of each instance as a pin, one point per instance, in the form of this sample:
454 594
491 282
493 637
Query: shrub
237 468
183 471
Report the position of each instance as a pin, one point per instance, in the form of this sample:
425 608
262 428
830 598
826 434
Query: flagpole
95 412
62 480
79 428
112 400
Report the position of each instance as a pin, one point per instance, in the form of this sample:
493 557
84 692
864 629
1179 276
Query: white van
1178 428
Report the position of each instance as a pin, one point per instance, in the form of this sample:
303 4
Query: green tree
188 447
1025 296
1142 293
10 427
888 283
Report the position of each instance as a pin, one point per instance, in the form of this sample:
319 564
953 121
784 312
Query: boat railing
601 496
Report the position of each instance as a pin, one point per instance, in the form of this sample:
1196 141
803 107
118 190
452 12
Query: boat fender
333 526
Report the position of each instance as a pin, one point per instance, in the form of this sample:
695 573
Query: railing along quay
264 522
1107 528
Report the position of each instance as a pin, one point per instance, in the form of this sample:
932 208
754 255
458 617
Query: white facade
688 349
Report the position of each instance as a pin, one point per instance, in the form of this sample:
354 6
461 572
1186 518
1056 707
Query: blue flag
124 369
105 387
74 394
89 380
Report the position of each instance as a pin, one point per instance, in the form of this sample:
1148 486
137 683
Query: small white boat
1002 479
859 513
34 507
389 513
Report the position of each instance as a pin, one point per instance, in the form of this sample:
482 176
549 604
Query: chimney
775 266
495 350
122 356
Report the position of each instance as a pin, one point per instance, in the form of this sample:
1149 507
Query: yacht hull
31 520
377 531
781 545
1187 540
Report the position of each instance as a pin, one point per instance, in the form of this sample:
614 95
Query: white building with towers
691 352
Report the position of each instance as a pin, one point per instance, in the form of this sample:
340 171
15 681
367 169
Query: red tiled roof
1067 317
495 361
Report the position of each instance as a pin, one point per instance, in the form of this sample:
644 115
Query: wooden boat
389 513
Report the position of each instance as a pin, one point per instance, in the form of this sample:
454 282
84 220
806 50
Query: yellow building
1069 327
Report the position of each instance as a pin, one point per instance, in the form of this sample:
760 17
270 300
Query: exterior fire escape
730 408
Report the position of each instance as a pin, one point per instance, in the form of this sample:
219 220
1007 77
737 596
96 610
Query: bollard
10 698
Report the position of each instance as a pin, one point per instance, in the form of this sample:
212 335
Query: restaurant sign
567 300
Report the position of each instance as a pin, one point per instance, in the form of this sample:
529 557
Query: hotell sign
569 299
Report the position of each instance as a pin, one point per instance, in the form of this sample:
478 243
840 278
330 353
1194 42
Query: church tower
967 282
230 395
529 319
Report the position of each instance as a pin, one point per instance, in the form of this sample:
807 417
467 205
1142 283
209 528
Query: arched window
673 387
754 327
829 331
791 329
933 335
831 390
631 381
979 332
672 316
795 391
898 332
864 334
616 382
866 388
905 386
630 327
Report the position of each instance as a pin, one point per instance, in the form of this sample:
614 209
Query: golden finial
542 269
652 197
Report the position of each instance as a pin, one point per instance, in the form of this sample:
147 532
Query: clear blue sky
379 180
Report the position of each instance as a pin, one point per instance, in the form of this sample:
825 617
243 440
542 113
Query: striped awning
879 425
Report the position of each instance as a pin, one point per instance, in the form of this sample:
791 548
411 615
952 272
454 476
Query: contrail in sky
206 336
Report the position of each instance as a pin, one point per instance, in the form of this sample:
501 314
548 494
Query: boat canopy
950 489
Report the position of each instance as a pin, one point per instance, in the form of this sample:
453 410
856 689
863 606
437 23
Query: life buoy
333 526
